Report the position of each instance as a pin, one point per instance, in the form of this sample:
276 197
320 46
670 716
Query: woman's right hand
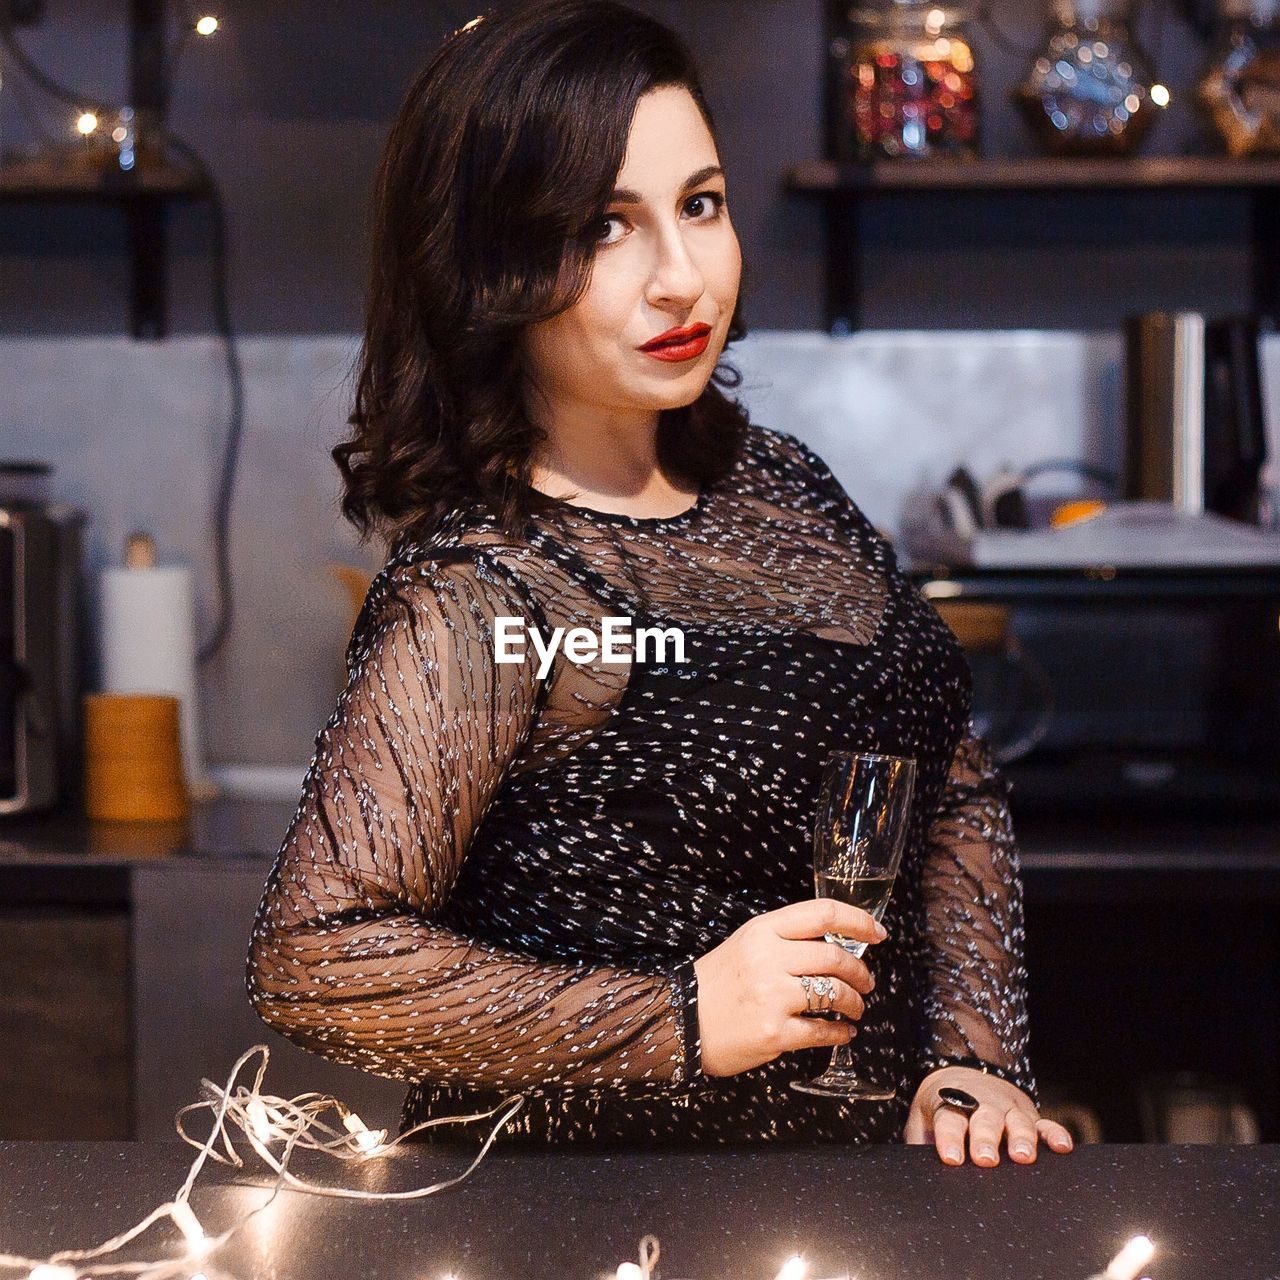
750 999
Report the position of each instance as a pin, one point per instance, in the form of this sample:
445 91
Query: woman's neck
610 468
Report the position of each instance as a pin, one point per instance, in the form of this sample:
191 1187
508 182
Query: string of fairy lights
274 1129
93 118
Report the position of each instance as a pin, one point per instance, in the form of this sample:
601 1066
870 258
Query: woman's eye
715 199
604 227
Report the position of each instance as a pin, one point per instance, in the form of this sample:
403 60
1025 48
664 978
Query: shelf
143 193
846 189
46 180
1037 173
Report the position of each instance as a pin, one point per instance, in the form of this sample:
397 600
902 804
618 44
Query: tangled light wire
304 1122
261 1119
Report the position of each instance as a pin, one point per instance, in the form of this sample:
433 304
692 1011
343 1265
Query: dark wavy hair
492 187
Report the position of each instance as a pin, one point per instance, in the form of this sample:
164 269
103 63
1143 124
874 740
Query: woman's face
667 257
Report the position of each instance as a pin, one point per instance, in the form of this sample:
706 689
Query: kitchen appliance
1184 1106
41 653
1162 685
1195 434
1012 697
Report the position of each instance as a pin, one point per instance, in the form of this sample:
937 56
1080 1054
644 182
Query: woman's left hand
1004 1112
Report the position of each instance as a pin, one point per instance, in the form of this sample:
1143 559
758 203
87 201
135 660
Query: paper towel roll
149 646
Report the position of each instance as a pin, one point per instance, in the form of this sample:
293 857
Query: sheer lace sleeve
976 986
346 958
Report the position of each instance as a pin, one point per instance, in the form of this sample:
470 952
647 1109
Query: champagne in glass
870 892
864 804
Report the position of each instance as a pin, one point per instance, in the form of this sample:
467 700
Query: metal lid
23 481
1261 11
1072 11
873 13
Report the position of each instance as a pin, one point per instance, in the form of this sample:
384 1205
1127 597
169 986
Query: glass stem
842 1057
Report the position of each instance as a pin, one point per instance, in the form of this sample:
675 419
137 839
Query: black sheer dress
497 882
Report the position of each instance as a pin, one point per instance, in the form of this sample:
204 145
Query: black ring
957 1099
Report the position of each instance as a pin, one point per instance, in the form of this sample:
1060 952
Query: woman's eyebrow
624 195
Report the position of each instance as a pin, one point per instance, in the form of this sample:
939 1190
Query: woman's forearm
397 996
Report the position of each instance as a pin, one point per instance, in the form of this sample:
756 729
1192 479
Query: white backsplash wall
135 432
888 411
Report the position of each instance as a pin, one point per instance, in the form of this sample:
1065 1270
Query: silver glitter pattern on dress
496 884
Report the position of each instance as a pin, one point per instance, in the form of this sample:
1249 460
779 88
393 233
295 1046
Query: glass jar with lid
1089 90
1240 88
909 87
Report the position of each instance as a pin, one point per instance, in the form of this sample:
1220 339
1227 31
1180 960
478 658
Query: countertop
870 1212
228 828
60 858
234 828
62 854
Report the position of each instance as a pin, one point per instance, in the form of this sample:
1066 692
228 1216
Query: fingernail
881 931
986 1153
952 1154
1021 1149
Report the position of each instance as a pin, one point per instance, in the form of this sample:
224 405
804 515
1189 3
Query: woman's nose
675 275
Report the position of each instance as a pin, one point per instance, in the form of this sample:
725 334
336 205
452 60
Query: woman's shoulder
460 554
781 459
790 473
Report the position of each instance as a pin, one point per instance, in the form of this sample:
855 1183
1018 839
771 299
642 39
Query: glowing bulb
185 1220
207 25
87 123
1160 95
1131 1259
629 1271
794 1268
369 1141
260 1121
52 1271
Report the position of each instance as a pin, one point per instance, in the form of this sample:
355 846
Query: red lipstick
679 344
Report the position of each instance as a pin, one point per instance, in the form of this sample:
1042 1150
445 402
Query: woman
580 876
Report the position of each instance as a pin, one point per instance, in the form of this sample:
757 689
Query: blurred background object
1240 87
910 82
1091 90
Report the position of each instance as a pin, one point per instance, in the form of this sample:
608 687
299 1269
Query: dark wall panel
291 101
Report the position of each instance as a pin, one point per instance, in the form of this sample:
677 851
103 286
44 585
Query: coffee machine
1196 435
42 661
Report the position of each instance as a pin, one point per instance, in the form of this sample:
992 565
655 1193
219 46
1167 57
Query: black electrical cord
235 379
221 310
15 89
1108 479
1003 42
33 72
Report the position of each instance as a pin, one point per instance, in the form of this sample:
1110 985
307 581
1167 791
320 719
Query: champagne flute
864 804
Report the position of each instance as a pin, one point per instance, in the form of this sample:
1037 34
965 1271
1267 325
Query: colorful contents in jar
1240 90
1090 92
913 100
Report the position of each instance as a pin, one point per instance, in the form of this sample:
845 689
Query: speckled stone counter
874 1213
